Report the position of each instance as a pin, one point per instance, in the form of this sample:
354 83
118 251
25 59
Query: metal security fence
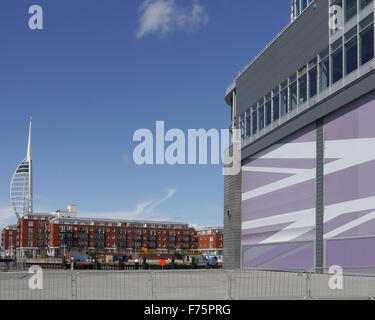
16 286
112 285
190 285
263 284
345 283
355 283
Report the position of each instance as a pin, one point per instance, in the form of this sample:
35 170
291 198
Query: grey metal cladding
232 222
297 45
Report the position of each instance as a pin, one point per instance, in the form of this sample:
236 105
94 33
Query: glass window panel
302 71
351 56
336 45
303 5
366 22
324 54
292 96
324 75
284 85
261 118
336 65
276 108
367 44
351 33
268 113
313 63
254 122
350 9
313 82
293 77
302 88
248 124
284 102
242 126
364 3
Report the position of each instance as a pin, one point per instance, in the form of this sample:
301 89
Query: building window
248 129
31 224
350 9
351 56
268 111
276 104
293 95
337 61
367 44
261 114
364 3
298 8
313 80
254 124
302 85
324 71
284 99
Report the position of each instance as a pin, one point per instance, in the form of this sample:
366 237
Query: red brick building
211 241
62 231
9 240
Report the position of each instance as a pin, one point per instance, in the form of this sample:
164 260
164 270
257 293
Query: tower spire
28 156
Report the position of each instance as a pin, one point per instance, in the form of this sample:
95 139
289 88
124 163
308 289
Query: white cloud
165 16
142 211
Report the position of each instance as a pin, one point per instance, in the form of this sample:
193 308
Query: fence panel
190 285
113 285
15 286
273 284
355 283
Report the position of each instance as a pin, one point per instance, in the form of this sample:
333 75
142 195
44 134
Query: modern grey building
305 107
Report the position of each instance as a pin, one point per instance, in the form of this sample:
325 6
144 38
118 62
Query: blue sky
100 70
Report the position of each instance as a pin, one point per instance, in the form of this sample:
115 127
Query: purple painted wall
278 195
278 201
350 184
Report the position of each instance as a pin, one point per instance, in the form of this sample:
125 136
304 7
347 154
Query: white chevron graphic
349 153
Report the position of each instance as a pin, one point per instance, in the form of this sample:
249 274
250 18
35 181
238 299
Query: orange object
144 250
162 262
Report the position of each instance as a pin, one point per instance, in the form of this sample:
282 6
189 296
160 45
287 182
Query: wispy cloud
166 16
142 211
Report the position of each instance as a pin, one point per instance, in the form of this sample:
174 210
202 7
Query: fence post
308 284
229 278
